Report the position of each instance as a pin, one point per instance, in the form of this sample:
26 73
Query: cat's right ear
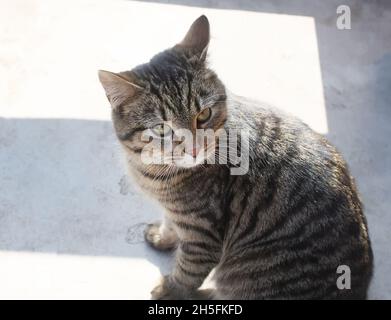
119 88
197 38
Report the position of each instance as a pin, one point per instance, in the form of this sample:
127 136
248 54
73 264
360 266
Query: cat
278 231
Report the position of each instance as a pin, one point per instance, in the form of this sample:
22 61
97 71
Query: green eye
161 130
204 115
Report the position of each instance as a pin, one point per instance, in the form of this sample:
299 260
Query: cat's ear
118 87
197 38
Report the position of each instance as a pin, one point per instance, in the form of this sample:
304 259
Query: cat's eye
204 115
162 130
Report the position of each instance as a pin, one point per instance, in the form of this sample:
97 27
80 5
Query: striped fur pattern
278 232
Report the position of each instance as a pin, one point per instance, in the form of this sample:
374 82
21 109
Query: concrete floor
70 222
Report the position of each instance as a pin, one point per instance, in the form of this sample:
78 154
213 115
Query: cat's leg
193 263
161 235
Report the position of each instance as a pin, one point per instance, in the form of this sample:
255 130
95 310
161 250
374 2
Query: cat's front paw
160 237
167 290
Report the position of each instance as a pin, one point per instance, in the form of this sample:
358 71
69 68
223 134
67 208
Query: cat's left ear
119 87
197 38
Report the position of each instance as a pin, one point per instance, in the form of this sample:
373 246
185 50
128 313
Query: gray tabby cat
278 232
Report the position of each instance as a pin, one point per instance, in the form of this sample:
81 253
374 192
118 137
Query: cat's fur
278 232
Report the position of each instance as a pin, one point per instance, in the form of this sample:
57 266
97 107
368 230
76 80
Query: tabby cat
279 231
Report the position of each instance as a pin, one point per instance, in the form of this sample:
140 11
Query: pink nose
194 152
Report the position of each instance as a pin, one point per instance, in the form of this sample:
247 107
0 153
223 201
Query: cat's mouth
197 157
184 160
188 161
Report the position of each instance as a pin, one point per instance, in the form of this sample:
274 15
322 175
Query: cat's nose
194 152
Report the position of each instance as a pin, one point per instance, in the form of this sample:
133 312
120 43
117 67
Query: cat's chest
181 190
182 193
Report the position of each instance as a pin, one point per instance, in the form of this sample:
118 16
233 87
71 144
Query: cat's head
175 91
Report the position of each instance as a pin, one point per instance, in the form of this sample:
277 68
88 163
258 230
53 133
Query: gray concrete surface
70 221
